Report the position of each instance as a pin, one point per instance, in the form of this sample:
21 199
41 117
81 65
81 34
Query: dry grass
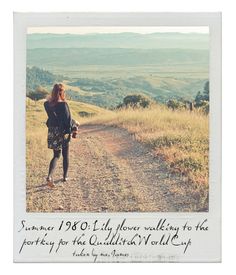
36 130
179 137
37 153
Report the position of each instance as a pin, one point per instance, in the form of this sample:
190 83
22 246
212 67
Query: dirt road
111 172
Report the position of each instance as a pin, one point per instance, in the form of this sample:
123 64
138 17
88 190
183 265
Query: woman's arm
45 104
66 119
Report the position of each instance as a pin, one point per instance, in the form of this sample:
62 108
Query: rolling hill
102 69
110 91
68 57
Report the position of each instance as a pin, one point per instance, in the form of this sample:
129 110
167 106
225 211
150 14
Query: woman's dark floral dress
56 139
59 125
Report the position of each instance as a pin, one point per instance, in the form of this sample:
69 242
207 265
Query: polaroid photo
117 137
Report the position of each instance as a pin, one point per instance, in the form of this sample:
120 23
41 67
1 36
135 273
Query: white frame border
213 20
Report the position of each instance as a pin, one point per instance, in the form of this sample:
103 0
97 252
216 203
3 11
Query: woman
59 130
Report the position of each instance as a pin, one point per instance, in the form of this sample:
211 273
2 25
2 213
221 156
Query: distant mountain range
114 56
104 68
120 40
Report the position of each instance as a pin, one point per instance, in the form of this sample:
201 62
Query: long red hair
58 94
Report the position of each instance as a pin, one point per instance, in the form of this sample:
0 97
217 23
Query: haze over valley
103 68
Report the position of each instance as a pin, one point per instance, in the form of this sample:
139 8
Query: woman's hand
75 127
77 123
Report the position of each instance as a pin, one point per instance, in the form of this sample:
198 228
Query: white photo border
213 20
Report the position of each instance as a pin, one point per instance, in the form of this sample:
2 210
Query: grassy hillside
110 91
179 137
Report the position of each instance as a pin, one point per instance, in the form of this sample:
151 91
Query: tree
206 91
175 104
136 101
202 99
198 99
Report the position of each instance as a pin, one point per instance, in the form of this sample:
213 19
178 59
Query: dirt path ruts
111 172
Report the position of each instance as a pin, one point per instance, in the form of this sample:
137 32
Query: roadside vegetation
179 137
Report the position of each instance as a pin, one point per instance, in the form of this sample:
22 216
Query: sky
142 30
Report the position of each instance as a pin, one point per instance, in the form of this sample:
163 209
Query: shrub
175 104
39 93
